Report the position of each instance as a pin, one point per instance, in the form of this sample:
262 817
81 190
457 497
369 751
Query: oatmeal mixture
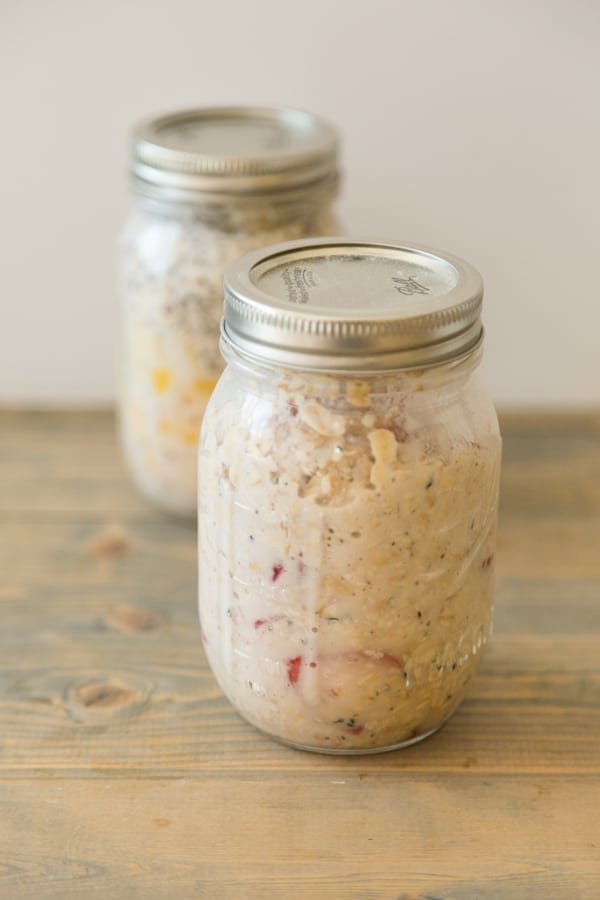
172 287
346 554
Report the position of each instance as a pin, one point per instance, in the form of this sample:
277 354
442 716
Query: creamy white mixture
171 284
346 544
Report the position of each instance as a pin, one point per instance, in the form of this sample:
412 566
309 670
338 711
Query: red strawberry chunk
356 729
390 660
293 669
270 620
277 570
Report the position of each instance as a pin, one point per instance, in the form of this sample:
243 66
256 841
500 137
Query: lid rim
313 193
266 324
351 364
300 142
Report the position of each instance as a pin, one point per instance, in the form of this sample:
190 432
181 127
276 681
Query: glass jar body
171 264
347 533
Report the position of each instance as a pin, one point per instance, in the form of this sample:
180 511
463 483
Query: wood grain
358 836
125 774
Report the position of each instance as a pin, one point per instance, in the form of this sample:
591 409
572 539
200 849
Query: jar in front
347 517
209 185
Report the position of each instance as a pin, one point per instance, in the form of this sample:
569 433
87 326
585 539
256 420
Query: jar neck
440 381
231 212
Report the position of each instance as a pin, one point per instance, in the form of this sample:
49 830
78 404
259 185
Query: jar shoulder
342 426
151 238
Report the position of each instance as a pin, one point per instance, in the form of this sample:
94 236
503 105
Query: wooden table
125 774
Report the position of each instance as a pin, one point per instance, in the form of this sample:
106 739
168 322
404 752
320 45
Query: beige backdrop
472 126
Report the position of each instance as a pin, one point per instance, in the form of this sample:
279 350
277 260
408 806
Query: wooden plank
153 554
551 466
538 487
565 606
539 423
61 463
556 547
58 464
126 706
374 835
57 552
81 603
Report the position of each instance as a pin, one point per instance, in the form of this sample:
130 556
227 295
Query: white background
472 126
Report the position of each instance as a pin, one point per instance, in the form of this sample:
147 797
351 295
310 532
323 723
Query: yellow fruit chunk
161 379
204 385
358 393
189 436
383 445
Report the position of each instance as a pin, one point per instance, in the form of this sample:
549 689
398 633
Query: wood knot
131 619
108 696
114 542
100 699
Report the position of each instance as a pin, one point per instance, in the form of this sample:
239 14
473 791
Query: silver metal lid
218 153
344 305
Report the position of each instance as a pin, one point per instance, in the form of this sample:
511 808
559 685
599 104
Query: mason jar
208 186
349 464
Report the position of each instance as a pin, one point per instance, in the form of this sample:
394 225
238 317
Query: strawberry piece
293 669
277 570
270 620
390 660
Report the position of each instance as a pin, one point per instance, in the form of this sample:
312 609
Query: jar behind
347 527
209 186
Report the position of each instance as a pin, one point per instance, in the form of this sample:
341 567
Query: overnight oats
209 185
349 463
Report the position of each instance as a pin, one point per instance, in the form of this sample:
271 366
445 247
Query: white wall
472 126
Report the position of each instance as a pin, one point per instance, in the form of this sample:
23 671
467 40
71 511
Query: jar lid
344 305
229 152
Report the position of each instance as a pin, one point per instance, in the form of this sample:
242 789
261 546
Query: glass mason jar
349 462
209 185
